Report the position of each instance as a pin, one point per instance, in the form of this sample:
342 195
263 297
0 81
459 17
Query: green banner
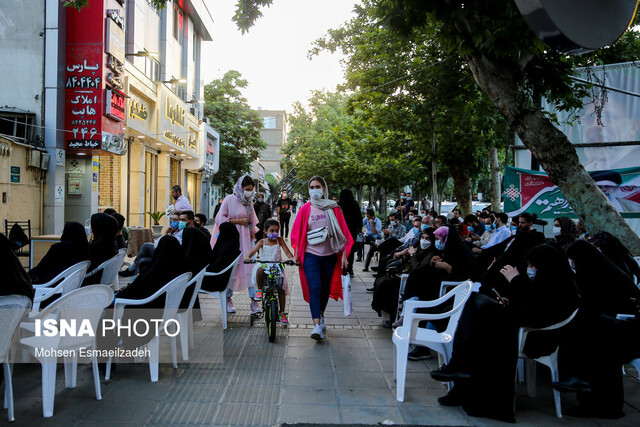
534 192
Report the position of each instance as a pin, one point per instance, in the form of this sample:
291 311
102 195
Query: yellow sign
173 138
193 140
137 110
175 113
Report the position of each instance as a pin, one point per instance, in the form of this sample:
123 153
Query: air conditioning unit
207 121
34 158
44 161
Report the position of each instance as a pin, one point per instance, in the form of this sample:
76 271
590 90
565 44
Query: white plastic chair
185 318
173 291
635 362
550 361
222 295
12 309
71 280
84 303
403 285
411 333
110 270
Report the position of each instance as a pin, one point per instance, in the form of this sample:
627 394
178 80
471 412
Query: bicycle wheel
271 317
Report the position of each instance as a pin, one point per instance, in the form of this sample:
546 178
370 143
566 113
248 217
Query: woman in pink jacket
322 241
237 208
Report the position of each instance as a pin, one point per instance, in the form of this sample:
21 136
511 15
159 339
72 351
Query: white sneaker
317 333
230 307
322 324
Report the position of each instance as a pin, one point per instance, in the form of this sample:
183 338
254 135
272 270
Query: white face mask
557 231
425 244
316 193
392 223
531 273
410 217
248 194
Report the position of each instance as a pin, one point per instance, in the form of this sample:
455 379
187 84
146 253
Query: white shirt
410 235
498 236
182 204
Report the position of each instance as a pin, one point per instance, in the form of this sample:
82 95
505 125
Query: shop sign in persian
174 139
115 107
138 109
193 140
114 143
175 113
115 40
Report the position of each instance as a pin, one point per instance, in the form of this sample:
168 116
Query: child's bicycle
272 283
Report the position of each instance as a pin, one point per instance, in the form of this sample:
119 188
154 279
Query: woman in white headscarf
237 208
322 241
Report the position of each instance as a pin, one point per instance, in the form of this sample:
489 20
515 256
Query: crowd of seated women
524 281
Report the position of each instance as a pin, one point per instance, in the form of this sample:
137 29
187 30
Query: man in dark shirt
263 212
284 214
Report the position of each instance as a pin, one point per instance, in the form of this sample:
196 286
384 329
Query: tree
410 86
513 71
239 127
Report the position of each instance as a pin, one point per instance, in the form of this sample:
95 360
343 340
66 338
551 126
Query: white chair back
461 294
70 283
110 269
403 284
83 265
88 303
524 331
12 309
197 280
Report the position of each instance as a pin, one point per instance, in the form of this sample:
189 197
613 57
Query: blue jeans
318 271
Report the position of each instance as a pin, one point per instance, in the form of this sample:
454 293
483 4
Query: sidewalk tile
304 413
311 393
370 415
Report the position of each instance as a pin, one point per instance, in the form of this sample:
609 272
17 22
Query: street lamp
175 81
145 52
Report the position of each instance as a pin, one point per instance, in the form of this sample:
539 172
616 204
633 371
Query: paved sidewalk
347 379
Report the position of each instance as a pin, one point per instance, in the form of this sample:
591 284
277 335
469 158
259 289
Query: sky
272 56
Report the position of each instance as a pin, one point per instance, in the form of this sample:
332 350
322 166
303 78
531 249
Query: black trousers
284 225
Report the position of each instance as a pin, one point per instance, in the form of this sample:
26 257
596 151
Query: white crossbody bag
317 235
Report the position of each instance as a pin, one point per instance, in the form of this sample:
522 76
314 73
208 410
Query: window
268 122
178 23
17 125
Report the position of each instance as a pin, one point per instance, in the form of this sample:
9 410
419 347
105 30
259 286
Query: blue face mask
531 273
182 225
470 229
424 226
174 224
439 245
514 228
493 226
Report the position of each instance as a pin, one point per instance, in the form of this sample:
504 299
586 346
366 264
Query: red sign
115 107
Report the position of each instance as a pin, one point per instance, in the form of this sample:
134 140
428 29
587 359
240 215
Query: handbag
346 294
317 235
360 238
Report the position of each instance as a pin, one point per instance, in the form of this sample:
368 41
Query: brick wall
109 183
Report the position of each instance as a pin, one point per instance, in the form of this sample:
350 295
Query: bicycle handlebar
254 261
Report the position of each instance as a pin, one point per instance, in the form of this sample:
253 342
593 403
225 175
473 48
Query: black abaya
15 281
225 251
104 228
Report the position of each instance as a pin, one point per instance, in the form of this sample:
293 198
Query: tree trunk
462 190
496 191
553 151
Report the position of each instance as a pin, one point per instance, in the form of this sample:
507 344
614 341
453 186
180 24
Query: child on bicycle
270 251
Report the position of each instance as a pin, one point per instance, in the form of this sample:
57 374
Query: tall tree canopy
238 124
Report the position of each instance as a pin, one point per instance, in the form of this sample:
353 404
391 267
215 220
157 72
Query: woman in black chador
605 292
353 217
104 228
197 254
15 280
72 249
485 351
168 262
226 250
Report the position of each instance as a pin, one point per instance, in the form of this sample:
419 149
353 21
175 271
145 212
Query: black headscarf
458 255
15 281
568 232
226 250
617 253
167 263
104 228
351 212
120 242
604 288
197 253
72 249
552 295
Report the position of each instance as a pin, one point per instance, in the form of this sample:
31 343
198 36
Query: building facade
274 134
108 103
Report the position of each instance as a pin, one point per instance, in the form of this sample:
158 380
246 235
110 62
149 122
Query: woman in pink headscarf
322 241
237 208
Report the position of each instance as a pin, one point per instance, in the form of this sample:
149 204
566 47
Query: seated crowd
523 281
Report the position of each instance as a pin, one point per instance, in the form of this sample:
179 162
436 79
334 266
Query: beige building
274 134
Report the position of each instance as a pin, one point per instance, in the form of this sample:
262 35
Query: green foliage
239 127
344 145
247 12
156 216
410 86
